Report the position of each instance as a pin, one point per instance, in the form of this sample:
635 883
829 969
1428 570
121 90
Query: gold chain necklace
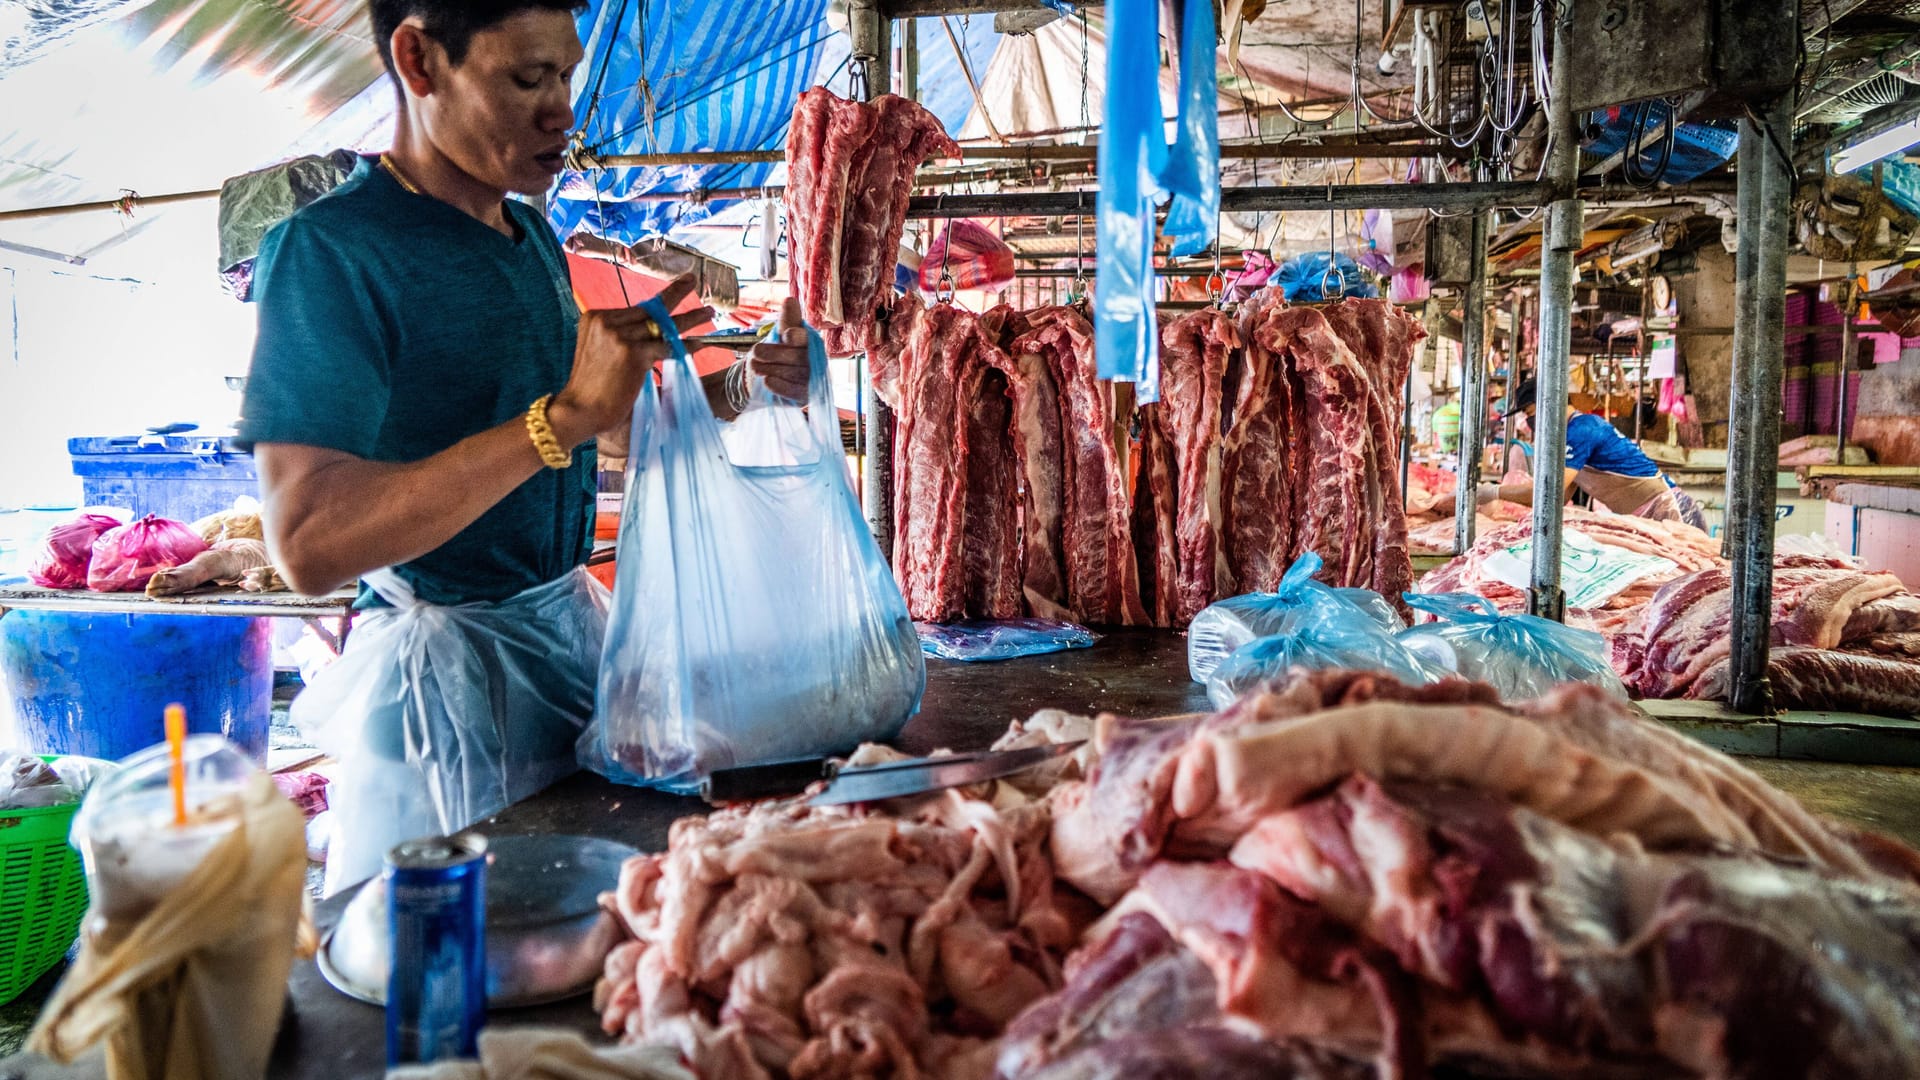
400 178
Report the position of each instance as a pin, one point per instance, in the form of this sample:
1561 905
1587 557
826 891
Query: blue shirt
1592 443
392 326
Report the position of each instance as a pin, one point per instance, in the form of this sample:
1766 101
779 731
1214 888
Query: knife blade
894 779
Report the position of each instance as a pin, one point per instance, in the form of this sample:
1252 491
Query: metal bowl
547 937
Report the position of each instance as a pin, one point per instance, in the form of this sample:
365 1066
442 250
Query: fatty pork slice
1578 756
826 147
1803 678
990 536
1193 361
1611 953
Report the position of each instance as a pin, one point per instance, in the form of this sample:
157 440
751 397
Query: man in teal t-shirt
424 401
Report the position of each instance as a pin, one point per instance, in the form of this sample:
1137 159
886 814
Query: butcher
426 405
1605 464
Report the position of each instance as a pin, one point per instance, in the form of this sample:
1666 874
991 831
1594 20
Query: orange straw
177 752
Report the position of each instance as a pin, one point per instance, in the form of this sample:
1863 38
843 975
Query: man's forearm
332 517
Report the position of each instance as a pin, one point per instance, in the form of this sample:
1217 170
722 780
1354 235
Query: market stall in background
1326 490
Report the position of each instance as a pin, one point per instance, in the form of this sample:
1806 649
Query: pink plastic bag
126 557
66 550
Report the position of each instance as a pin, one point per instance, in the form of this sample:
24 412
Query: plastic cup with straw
177 758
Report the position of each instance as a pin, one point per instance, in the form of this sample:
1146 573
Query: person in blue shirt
1605 464
426 403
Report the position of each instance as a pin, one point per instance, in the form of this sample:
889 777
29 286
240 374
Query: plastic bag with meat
1521 656
126 557
66 550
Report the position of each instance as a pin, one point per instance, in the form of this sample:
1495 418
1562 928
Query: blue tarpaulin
654 82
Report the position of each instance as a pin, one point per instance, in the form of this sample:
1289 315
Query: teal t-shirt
392 326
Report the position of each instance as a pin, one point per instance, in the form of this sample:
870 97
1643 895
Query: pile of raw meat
850 168
1021 488
777 940
1347 877
1340 876
1686 547
1843 638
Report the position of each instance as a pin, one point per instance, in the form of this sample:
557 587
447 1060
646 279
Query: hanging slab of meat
850 169
1382 338
956 531
1263 451
1038 443
1155 547
1194 350
892 333
990 537
1096 544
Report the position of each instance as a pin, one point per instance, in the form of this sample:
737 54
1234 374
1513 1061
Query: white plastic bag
753 619
441 715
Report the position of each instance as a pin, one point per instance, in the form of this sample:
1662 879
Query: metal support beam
1754 459
1473 389
1849 350
1747 214
1565 229
871 34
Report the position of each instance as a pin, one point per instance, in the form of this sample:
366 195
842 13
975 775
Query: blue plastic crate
183 477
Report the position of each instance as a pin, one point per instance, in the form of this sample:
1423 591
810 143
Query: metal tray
547 937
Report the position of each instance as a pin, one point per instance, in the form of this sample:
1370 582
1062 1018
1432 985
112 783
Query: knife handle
772 780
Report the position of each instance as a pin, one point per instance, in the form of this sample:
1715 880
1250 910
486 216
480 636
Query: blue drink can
437 986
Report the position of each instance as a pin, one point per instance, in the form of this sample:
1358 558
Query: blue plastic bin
98 685
183 477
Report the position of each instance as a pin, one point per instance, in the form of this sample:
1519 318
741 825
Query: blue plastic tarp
656 81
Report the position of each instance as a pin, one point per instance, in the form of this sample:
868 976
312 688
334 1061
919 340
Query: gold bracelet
544 440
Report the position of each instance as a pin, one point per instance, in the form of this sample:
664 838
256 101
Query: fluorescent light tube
1867 151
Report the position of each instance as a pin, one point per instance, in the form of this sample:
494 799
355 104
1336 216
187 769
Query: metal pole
1406 437
1565 227
1473 389
1745 329
1849 349
1756 374
870 31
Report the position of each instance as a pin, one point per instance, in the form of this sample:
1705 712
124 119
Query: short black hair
452 23
1523 397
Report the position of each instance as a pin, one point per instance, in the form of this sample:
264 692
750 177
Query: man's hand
615 353
782 359
1488 491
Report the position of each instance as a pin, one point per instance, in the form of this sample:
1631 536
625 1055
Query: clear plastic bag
1225 625
754 619
1521 656
1002 639
1340 639
441 715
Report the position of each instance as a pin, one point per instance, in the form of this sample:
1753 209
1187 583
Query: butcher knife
871 783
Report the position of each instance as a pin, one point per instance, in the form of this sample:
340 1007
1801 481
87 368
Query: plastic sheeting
653 82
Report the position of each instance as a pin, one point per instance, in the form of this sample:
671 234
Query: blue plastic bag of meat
1225 625
1521 656
1002 639
753 619
1340 638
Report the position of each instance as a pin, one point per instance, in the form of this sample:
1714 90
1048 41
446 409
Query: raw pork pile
1685 546
850 167
1019 488
1347 877
776 940
1842 639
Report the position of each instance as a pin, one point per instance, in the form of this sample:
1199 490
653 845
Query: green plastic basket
43 894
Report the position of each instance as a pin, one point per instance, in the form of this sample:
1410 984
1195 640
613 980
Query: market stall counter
329 1036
